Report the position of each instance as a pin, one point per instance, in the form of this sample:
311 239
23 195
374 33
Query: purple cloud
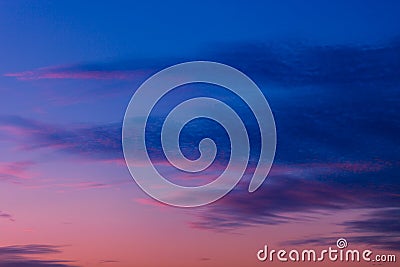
15 172
6 216
302 193
100 142
21 256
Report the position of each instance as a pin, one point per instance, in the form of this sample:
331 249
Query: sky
330 71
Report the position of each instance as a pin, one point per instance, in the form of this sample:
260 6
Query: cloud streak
6 216
80 72
15 172
99 142
294 191
21 256
284 63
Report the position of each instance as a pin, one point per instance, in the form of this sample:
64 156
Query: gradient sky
329 69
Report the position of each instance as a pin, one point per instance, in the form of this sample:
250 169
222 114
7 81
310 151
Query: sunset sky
330 71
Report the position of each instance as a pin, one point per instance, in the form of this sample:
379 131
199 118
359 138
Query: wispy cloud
22 256
302 64
307 193
32 249
6 216
101 142
92 185
290 196
108 261
15 172
371 239
81 72
284 63
379 228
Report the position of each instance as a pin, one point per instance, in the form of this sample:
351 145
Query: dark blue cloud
290 64
305 189
35 263
329 102
336 111
30 249
297 64
21 256
381 220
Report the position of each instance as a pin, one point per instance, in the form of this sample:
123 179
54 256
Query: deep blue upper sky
40 33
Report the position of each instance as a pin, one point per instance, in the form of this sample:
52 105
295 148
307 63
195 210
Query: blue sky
106 30
329 69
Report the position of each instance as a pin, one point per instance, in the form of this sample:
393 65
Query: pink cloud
92 185
74 72
150 202
15 170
